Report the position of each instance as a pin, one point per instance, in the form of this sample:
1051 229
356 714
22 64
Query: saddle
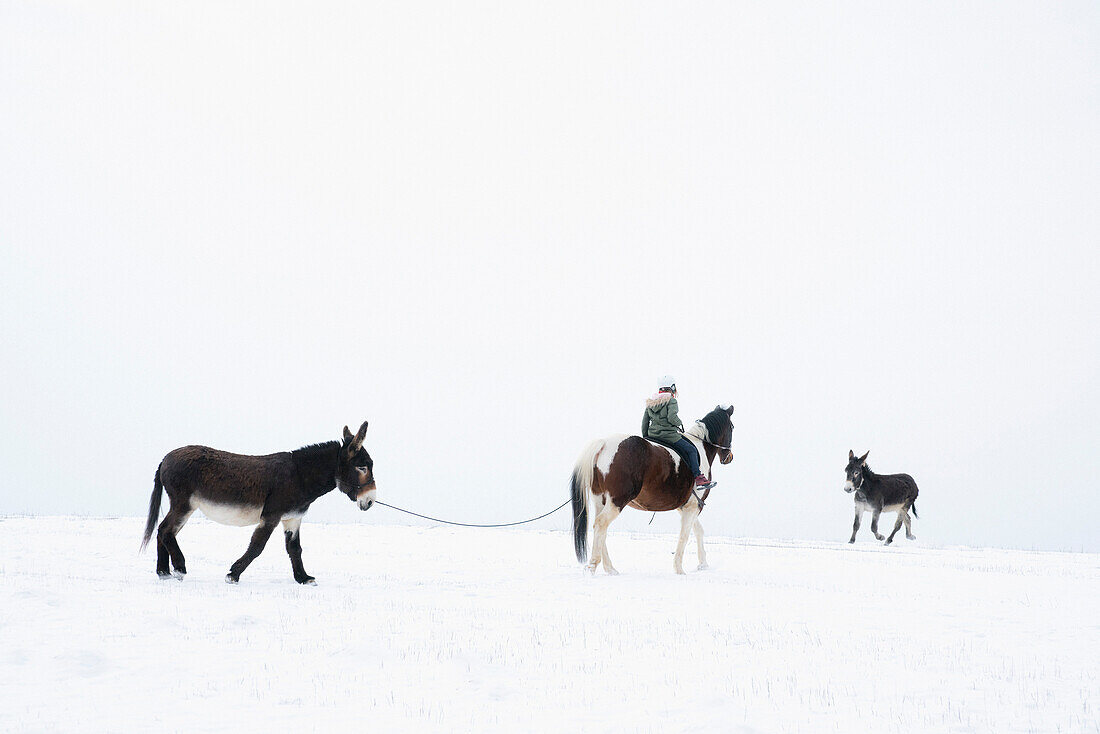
679 451
683 457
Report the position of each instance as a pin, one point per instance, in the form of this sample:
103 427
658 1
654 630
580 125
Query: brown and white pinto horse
625 470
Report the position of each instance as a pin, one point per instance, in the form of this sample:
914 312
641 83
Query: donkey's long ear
347 435
358 440
729 410
851 454
863 459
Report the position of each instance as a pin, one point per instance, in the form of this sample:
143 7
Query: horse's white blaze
239 515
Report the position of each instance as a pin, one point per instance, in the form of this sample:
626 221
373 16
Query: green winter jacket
662 420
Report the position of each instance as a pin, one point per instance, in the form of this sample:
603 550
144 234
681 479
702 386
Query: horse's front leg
255 547
688 514
702 553
855 525
291 529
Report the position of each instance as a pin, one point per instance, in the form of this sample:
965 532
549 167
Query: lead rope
475 525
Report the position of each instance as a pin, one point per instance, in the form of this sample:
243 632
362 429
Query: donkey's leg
908 525
688 514
874 523
855 525
897 526
255 547
702 553
291 526
166 541
603 521
179 564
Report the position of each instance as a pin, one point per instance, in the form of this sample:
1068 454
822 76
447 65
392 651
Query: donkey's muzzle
365 499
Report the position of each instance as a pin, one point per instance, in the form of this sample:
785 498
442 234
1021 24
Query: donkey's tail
913 507
581 486
154 510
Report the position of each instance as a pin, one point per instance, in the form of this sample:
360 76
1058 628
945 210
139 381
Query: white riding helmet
666 381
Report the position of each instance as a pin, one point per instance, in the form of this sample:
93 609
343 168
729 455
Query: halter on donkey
625 470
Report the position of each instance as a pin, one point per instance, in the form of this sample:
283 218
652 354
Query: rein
475 525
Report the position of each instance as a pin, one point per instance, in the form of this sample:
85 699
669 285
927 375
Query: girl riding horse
661 423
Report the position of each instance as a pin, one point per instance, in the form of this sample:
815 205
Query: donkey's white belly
227 514
867 507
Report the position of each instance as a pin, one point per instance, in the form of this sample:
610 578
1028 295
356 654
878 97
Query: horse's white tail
581 488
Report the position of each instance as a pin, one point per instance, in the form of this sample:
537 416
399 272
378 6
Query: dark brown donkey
880 493
625 470
247 490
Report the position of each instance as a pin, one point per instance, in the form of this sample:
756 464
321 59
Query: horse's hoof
308 581
680 572
163 575
231 579
850 542
702 567
880 537
177 574
888 542
612 572
591 570
911 537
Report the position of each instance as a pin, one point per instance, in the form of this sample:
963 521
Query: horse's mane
712 423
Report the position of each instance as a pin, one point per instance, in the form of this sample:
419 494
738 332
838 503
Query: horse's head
854 471
355 469
719 430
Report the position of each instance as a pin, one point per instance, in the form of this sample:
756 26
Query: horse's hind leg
167 547
688 515
291 527
606 514
908 525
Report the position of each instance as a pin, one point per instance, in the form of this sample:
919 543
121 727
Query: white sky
488 228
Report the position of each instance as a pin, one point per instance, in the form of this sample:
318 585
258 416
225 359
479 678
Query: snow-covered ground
439 629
